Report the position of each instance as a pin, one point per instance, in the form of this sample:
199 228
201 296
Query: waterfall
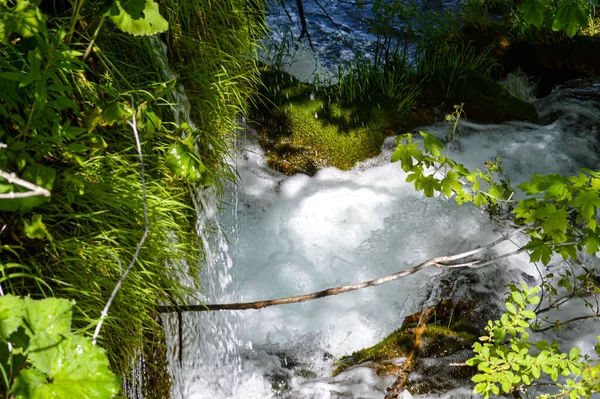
299 234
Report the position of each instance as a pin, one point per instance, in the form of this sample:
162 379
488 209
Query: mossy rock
437 341
486 101
303 129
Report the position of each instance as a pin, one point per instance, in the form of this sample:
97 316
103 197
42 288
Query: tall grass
94 218
446 65
362 80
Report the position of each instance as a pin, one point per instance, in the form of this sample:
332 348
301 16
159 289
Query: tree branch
304 28
104 313
35 190
440 262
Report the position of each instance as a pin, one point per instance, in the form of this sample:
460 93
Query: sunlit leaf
150 24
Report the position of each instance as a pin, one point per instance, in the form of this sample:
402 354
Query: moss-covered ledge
304 128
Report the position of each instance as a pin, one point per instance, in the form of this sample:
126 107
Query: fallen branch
440 262
409 364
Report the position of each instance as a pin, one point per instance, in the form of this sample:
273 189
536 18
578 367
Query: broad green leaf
539 251
50 315
432 144
116 112
405 154
150 24
533 12
574 354
511 308
587 203
557 189
528 314
569 18
184 163
592 244
428 184
76 369
35 229
556 221
27 382
12 311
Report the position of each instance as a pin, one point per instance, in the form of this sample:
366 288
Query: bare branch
35 190
104 313
563 323
440 262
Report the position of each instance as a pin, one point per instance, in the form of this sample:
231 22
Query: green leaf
184 163
574 354
116 112
557 221
405 154
592 244
511 308
528 314
49 315
432 144
151 24
12 311
569 18
539 251
76 369
428 184
35 228
586 203
533 12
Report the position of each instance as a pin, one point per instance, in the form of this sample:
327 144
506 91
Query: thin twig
104 313
563 323
440 262
35 190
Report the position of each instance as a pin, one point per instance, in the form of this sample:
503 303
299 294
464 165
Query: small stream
299 234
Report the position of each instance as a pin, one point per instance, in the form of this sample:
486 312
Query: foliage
447 64
507 360
566 16
41 358
559 215
560 211
67 95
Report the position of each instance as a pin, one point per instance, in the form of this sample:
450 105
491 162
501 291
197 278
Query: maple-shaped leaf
556 221
405 154
539 251
586 203
432 144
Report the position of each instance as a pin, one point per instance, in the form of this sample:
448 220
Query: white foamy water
295 235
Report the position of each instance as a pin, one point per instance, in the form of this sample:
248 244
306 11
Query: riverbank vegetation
80 79
77 80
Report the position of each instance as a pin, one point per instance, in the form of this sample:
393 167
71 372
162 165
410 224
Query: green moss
305 128
437 341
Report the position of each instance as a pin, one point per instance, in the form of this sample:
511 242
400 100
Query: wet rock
453 325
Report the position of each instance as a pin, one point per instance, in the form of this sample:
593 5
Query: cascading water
301 234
